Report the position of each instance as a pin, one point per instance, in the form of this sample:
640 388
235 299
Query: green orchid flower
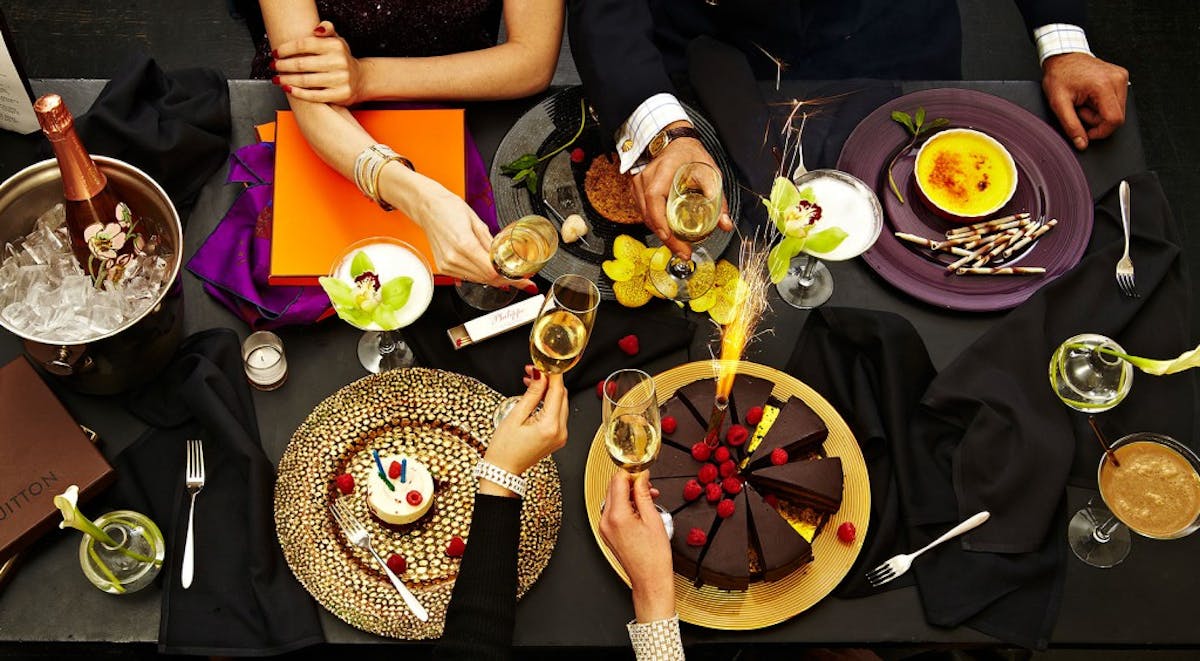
366 300
796 213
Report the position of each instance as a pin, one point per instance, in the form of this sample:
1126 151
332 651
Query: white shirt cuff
1059 38
644 123
656 641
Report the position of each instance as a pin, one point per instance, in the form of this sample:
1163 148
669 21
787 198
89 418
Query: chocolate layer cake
726 562
779 547
816 483
797 429
670 492
697 399
700 515
673 462
688 428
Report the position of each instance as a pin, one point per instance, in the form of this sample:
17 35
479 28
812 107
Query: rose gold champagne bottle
103 229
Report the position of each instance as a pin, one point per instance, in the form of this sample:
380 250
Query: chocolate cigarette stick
978 240
997 247
1028 237
931 244
985 226
1002 270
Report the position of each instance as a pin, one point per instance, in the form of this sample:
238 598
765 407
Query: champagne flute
846 202
561 330
632 426
519 251
693 209
632 432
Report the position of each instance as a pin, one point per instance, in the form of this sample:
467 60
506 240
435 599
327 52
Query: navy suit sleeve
612 42
1043 12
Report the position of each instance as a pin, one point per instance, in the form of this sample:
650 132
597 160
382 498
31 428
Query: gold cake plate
763 603
442 419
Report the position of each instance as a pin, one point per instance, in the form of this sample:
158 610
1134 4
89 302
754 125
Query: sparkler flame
750 304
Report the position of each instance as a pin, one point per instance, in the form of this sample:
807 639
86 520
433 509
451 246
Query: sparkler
750 304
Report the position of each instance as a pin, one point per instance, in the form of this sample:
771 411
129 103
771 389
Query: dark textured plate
541 130
1050 182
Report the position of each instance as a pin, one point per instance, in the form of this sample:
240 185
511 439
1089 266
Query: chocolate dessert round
610 192
718 489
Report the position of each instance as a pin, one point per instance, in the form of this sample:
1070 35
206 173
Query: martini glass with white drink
836 217
380 285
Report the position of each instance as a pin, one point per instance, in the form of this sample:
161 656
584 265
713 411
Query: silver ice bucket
136 351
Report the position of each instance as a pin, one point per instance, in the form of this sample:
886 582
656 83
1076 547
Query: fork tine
191 459
200 456
880 580
881 570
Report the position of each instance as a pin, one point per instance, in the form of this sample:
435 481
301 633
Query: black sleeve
1043 12
482 612
612 42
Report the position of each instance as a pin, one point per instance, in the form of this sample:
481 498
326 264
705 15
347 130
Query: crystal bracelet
493 473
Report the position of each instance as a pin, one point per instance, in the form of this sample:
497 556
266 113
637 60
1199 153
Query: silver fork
1125 265
194 479
896 567
358 536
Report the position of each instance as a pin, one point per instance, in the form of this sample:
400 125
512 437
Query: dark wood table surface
579 600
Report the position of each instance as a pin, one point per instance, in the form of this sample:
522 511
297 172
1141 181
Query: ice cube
73 291
105 319
19 315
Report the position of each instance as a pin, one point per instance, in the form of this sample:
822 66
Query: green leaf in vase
1183 361
361 264
827 240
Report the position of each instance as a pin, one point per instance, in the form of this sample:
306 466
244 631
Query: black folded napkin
499 362
244 600
989 433
174 126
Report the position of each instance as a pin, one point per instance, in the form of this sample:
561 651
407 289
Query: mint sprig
524 168
917 127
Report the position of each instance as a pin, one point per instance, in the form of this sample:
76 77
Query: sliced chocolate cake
779 547
726 563
748 392
689 429
693 530
673 462
797 429
671 492
816 483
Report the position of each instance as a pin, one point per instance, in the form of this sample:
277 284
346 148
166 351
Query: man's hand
320 68
652 185
1087 94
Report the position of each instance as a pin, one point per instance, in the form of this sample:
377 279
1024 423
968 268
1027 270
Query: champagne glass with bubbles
632 431
693 210
561 330
519 251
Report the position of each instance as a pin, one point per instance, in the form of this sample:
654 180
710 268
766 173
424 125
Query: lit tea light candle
263 359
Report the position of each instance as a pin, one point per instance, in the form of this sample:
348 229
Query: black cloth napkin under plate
499 361
244 600
989 433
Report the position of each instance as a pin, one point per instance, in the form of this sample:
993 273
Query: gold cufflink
627 145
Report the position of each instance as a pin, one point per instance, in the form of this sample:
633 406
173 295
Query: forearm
480 619
506 71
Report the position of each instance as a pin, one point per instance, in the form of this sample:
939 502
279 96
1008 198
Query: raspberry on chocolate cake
700 514
780 549
688 429
671 492
726 563
816 484
796 429
673 462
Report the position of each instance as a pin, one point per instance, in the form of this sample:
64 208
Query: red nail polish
537 374
531 289
271 65
320 29
274 55
287 89
275 80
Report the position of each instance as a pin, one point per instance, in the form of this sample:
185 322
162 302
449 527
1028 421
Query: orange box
318 212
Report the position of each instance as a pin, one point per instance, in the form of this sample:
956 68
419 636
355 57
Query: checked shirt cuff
1059 38
647 120
656 641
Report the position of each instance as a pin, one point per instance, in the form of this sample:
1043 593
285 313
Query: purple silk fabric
235 260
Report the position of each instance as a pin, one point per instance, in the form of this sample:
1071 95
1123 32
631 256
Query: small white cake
398 506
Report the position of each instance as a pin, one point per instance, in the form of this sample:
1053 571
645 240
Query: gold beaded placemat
763 603
440 418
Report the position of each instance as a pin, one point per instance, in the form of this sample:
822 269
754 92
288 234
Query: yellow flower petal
705 302
627 248
631 293
618 270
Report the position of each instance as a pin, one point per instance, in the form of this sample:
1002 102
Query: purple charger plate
1049 181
